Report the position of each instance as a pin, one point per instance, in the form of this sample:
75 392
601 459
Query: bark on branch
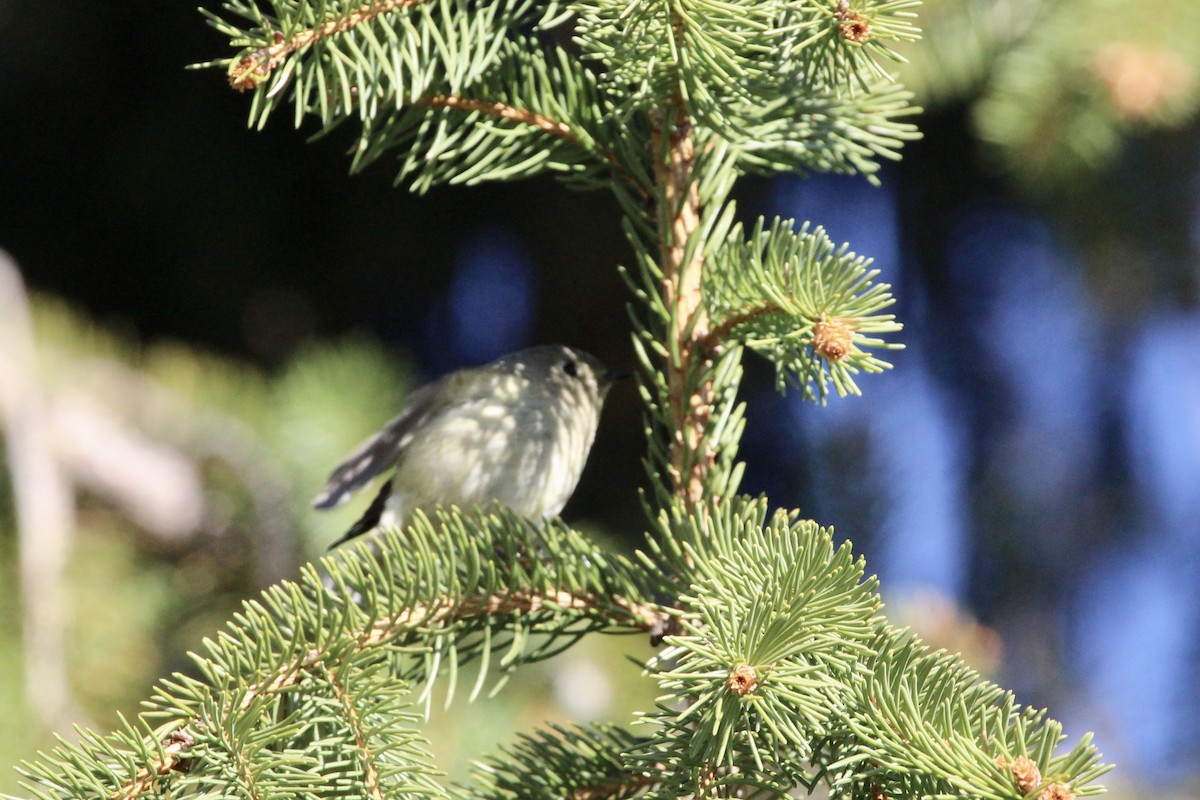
690 404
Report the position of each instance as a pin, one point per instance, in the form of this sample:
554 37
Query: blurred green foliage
1057 88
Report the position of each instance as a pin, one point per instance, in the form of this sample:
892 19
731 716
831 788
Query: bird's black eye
571 368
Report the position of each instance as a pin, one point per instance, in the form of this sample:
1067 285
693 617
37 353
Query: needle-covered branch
812 308
329 663
783 675
923 723
255 67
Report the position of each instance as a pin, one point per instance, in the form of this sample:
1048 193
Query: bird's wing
370 518
380 452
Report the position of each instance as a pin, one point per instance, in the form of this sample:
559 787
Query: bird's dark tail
370 518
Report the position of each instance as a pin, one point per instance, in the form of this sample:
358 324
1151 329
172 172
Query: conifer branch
812 308
173 757
720 332
618 610
254 68
246 774
354 718
682 264
555 127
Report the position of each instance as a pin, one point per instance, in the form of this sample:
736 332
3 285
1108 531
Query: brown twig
350 710
252 69
524 116
510 113
718 333
173 759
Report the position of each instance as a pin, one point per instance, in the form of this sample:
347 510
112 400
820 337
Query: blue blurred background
1026 482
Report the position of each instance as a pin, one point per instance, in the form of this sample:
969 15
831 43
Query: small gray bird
517 430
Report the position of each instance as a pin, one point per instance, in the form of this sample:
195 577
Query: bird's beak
612 375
